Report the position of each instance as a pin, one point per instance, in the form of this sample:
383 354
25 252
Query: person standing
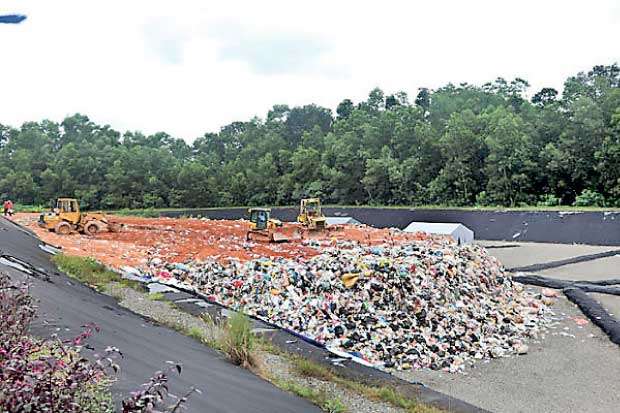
8 207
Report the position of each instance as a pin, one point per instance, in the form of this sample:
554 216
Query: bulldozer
310 214
263 226
66 217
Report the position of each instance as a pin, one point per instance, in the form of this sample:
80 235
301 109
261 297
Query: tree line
458 145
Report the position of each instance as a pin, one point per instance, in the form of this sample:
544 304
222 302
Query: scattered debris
547 292
427 304
580 321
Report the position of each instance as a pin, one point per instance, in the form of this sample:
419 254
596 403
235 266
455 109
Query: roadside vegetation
457 145
238 341
28 208
51 375
308 368
318 397
91 272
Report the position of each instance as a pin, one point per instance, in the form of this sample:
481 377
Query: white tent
341 220
460 233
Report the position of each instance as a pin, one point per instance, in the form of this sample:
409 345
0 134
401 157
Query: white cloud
190 67
269 52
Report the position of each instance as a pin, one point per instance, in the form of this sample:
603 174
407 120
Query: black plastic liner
594 228
595 312
560 263
599 286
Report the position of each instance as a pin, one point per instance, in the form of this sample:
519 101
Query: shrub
589 198
238 341
482 199
51 375
43 375
549 200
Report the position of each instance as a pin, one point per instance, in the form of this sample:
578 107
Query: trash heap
427 304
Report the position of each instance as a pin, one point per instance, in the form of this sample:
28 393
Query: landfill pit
390 299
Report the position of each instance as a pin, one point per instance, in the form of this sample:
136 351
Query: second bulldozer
310 214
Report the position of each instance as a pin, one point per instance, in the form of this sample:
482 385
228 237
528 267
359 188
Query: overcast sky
188 67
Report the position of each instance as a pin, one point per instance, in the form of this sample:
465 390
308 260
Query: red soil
179 240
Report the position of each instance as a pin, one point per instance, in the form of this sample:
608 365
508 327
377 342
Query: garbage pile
426 304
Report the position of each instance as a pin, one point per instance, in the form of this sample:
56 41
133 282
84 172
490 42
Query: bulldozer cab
259 217
68 209
310 214
310 207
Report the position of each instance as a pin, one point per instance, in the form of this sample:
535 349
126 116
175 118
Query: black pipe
595 312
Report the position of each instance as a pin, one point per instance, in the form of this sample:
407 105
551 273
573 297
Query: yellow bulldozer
310 214
66 217
264 227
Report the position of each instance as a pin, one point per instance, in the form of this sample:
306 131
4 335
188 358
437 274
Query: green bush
589 198
238 341
549 200
29 208
482 199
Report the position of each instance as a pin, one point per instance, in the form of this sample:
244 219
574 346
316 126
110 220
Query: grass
235 338
195 333
91 272
29 208
238 341
318 397
309 368
157 296
97 398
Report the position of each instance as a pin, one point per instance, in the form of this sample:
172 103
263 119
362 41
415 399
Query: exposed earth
178 240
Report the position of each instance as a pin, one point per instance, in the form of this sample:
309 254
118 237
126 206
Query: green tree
463 152
509 164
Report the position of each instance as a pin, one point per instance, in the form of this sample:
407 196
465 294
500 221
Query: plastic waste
424 304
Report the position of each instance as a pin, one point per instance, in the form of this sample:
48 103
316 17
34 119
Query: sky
190 67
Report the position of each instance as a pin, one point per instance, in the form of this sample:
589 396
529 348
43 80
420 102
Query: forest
458 145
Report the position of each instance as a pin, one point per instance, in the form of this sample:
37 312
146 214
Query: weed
96 398
318 397
157 296
334 406
268 347
195 333
238 341
308 368
91 272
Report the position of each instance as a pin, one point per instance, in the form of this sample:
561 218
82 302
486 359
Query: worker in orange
8 207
